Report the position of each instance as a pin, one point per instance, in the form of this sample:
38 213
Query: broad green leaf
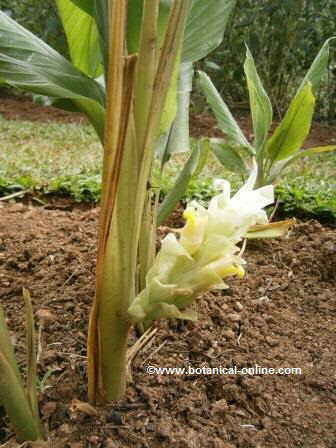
260 104
179 134
228 156
28 63
318 68
101 16
272 230
294 128
225 120
180 186
83 39
205 27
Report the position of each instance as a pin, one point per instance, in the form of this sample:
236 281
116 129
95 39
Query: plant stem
108 328
126 170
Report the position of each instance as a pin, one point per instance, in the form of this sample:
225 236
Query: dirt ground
22 108
281 315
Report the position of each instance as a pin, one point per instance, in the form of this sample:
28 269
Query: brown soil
22 108
281 315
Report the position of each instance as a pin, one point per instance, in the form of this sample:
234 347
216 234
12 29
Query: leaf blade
260 104
180 186
28 63
290 134
318 67
228 156
225 119
205 27
82 36
179 134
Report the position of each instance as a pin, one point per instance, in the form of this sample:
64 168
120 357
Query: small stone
238 306
272 342
45 317
233 317
264 300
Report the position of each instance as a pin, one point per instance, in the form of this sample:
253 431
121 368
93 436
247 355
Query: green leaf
203 158
31 356
179 134
13 398
205 27
101 16
318 68
225 120
6 347
28 63
260 104
228 156
83 39
180 186
12 394
294 128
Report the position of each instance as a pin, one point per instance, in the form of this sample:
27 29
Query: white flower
205 253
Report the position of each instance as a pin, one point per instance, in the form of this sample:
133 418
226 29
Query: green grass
66 159
50 157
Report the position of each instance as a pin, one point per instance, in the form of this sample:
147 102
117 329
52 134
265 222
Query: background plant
40 18
290 31
284 36
275 153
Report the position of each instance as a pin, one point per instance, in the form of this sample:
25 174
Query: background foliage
284 36
40 18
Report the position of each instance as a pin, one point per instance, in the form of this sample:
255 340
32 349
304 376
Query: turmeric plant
275 152
126 60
